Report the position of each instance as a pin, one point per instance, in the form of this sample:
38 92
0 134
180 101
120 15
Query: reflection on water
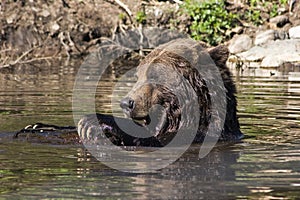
269 103
35 93
265 166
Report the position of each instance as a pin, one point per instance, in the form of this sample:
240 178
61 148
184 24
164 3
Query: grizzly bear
177 88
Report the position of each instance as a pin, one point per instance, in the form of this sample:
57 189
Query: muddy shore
41 31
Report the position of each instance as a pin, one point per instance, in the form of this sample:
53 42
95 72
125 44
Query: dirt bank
44 30
52 29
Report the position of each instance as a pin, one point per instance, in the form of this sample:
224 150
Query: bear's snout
127 104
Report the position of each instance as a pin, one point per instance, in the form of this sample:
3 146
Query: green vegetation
256 7
210 20
283 2
253 14
141 17
274 11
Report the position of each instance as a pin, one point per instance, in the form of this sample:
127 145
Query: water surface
266 165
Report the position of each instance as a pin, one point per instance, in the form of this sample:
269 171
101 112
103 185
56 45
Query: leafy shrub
210 20
254 13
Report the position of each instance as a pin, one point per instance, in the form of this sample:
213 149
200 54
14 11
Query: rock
271 61
283 46
294 32
290 58
279 21
279 59
240 43
254 54
273 54
265 37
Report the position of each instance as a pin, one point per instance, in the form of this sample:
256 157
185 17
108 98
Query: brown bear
167 79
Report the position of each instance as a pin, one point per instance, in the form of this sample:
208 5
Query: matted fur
168 65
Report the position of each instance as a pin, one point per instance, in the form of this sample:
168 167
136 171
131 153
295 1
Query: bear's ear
219 54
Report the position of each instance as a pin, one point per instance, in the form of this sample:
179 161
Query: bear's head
167 82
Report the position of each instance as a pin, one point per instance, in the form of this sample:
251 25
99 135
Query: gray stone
271 61
240 43
279 21
254 54
265 37
273 54
292 58
277 60
294 32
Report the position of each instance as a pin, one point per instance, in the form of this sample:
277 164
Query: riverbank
35 31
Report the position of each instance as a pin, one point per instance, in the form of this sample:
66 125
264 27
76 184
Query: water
266 165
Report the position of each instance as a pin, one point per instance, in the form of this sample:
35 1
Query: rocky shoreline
38 31
278 46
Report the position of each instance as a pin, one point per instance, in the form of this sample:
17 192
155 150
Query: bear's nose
127 103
